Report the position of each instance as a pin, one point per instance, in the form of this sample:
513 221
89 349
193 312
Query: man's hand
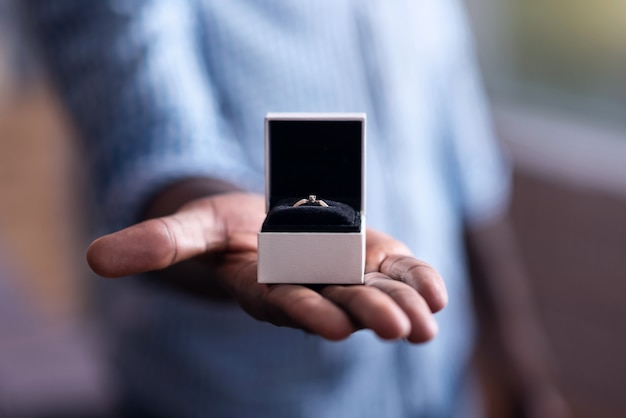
397 301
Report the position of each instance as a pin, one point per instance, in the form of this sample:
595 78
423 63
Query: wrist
172 197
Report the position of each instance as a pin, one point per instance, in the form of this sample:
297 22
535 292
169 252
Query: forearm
133 80
170 199
507 318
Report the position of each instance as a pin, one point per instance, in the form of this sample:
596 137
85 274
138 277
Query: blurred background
50 361
555 72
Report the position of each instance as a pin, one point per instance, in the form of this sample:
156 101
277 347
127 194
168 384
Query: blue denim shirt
161 90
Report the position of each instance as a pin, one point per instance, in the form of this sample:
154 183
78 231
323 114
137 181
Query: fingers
423 326
293 304
371 309
390 308
416 288
393 258
285 304
395 303
418 275
387 258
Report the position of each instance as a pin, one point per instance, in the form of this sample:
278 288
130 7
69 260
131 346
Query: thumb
157 243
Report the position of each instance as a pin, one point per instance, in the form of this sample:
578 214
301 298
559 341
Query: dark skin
200 235
209 231
511 348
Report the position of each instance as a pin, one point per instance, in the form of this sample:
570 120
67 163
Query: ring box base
308 258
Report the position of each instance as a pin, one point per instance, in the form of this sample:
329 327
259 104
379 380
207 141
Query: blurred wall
41 227
569 211
50 353
40 222
556 74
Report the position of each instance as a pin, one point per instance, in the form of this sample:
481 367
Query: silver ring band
312 200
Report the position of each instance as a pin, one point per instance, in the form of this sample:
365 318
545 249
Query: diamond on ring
311 200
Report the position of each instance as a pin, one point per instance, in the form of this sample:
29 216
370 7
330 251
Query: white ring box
321 154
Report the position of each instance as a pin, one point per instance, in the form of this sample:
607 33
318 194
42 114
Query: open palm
397 301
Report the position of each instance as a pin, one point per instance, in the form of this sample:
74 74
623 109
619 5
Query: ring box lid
315 153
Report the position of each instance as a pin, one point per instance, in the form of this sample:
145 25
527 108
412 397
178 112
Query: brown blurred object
568 210
40 222
51 361
575 243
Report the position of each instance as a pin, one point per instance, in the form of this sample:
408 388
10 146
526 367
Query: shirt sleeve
480 171
132 75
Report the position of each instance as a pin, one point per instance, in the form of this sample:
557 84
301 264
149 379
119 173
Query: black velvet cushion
337 217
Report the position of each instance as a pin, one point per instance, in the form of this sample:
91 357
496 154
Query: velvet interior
337 217
322 157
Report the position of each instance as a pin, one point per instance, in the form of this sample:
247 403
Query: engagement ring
312 200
